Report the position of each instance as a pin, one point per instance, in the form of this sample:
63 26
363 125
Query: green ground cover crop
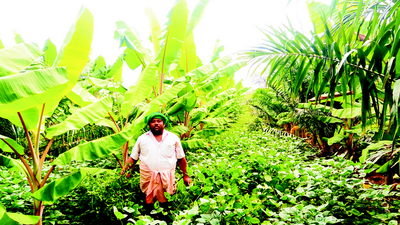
244 177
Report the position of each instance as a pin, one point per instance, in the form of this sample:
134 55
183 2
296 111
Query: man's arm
183 165
129 164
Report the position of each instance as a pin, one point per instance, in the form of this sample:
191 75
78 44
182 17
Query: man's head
156 122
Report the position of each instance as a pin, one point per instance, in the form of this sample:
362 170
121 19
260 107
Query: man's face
156 126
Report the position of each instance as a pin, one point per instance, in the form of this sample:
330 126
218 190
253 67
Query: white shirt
158 156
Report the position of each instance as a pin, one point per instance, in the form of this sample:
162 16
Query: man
158 151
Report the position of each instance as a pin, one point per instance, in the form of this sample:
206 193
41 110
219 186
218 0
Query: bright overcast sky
233 22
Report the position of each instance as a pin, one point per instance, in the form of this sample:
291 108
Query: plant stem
28 137
116 125
47 176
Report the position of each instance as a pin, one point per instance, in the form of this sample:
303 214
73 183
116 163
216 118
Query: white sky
231 21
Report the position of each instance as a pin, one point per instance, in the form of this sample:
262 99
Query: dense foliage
350 63
260 179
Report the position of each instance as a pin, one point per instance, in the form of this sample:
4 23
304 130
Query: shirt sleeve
136 150
178 148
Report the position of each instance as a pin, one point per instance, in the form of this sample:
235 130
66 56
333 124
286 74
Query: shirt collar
164 135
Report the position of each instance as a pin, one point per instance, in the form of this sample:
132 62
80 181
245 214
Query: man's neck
158 136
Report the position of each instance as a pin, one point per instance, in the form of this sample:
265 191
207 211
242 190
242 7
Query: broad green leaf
118 214
99 63
32 88
100 82
81 96
30 117
116 70
169 94
132 58
90 114
50 53
188 60
385 167
185 103
207 87
198 114
140 90
23 219
74 53
16 58
180 129
155 30
177 107
336 139
14 144
347 113
63 186
398 65
373 147
8 218
217 49
129 37
218 122
12 164
174 36
94 149
1 44
107 123
18 38
196 16
206 70
194 144
329 119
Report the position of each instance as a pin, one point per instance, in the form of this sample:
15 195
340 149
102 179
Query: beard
156 132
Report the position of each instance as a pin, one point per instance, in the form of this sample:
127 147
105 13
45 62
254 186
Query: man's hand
123 170
186 179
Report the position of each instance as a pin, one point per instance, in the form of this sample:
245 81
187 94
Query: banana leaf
336 139
373 147
198 114
129 37
194 144
16 58
188 59
196 16
94 149
116 70
217 50
8 218
180 129
18 38
347 113
32 88
90 114
206 70
81 96
30 117
13 164
169 94
50 53
140 90
215 122
132 59
62 186
174 36
74 53
155 30
14 144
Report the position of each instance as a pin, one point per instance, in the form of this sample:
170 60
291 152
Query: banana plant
28 95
